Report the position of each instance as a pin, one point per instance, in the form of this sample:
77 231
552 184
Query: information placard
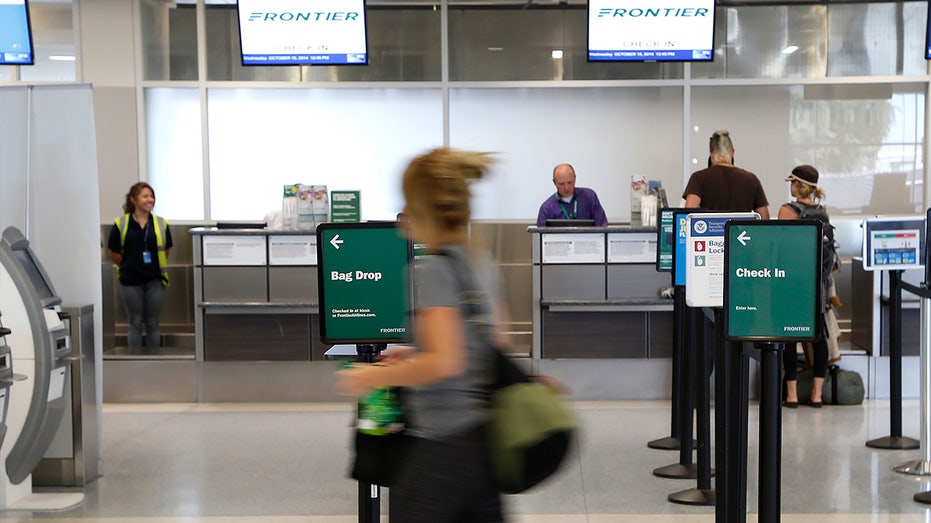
364 282
704 258
635 247
234 250
772 291
573 248
893 243
666 238
345 207
292 250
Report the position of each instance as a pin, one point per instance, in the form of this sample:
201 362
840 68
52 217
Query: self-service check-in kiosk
6 378
40 347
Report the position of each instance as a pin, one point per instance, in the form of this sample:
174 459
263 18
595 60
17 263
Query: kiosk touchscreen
364 277
893 243
39 341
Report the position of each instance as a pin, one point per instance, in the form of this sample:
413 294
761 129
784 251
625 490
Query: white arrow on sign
743 238
335 242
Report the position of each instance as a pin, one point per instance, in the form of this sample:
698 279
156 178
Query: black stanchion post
703 494
731 414
685 468
369 495
678 375
895 440
770 433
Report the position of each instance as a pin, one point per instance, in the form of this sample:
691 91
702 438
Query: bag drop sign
364 283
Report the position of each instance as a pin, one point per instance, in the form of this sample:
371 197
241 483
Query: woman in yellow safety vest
139 244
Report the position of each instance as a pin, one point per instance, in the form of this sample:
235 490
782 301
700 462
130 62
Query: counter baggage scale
40 345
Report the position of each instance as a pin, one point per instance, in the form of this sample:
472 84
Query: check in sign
704 258
772 289
364 277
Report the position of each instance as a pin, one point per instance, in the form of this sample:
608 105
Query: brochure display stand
364 282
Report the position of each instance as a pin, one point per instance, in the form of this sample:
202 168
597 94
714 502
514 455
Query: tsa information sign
893 243
772 291
704 257
364 281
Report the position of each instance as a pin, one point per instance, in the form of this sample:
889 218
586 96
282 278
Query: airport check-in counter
255 293
596 294
40 344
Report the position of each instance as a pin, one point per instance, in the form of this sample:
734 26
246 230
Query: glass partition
815 41
534 43
866 140
53 43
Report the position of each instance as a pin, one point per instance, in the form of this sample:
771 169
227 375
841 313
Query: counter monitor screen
15 33
644 31
302 32
893 243
43 289
553 222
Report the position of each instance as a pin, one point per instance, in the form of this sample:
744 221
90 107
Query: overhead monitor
641 30
364 282
302 32
560 222
15 33
894 243
928 35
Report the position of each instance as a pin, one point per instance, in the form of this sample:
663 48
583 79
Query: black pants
446 481
819 358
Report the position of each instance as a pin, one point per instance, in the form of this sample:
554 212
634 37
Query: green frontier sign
772 289
364 277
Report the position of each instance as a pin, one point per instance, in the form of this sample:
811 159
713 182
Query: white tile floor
286 463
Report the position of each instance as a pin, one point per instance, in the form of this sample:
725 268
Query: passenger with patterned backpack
804 188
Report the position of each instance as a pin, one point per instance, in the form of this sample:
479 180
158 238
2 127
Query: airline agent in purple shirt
571 202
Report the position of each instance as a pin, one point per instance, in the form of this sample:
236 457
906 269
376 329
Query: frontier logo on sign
322 16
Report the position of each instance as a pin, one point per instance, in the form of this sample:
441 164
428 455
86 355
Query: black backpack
829 256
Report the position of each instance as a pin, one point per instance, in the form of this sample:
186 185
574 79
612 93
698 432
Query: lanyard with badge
575 209
146 255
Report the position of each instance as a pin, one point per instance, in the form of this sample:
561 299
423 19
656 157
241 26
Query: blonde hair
804 191
436 187
721 147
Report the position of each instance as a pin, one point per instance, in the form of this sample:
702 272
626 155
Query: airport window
169 40
511 43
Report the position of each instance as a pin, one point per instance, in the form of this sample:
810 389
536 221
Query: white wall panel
346 139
